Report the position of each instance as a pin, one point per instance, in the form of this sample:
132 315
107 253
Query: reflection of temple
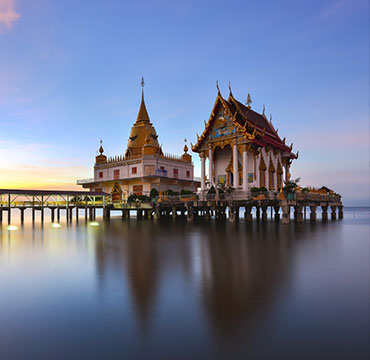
236 271
243 148
143 167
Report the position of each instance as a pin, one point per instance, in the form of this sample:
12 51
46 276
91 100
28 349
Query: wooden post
9 210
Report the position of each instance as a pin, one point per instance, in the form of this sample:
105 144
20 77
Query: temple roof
252 125
142 132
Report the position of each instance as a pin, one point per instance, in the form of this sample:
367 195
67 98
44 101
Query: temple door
116 192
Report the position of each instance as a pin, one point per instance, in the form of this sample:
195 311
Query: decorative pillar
287 170
210 169
235 166
203 171
248 213
245 169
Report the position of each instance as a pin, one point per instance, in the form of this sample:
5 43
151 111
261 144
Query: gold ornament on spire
101 150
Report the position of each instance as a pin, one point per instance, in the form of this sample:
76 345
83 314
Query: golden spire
143 113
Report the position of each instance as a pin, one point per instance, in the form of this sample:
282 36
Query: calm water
173 290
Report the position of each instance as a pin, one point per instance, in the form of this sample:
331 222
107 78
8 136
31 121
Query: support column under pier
258 213
22 215
333 212
340 212
286 214
264 213
324 214
277 215
190 213
313 214
248 213
298 213
1 215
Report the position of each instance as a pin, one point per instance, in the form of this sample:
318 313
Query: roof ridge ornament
101 150
231 93
263 109
218 89
249 101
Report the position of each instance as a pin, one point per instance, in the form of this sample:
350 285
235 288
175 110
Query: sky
70 75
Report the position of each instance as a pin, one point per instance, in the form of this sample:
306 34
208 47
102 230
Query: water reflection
235 271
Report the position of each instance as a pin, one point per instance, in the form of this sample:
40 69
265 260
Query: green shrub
132 198
154 193
186 192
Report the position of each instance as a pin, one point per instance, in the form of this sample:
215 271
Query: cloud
7 13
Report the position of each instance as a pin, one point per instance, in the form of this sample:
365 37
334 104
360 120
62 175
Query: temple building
243 148
143 166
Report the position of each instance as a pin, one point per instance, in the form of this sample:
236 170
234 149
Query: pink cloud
7 13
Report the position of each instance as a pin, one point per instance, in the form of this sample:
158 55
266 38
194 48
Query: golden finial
185 147
197 136
263 110
297 154
218 89
249 101
205 123
231 93
284 140
271 118
101 150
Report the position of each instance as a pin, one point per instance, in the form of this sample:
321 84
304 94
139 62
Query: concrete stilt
232 214
77 213
286 214
1 215
264 213
248 213
9 215
22 215
33 213
52 214
42 213
190 213
58 214
298 213
277 215
333 212
174 213
258 212
340 212
313 214
324 214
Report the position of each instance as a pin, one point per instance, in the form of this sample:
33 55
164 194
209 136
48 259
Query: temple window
116 174
176 173
138 189
187 173
134 170
262 170
100 174
271 180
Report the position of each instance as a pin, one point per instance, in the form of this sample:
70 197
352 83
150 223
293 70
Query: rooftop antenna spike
249 101
142 83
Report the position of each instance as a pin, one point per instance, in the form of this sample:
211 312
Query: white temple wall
222 159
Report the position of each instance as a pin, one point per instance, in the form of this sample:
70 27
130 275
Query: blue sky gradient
70 74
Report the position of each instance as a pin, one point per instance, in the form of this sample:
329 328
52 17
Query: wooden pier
206 206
